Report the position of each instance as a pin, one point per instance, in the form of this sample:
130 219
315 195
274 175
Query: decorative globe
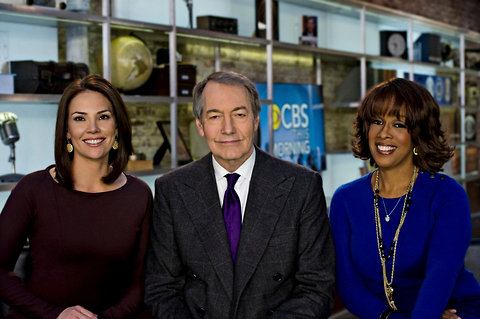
131 62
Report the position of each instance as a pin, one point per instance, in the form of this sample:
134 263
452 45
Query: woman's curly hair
401 97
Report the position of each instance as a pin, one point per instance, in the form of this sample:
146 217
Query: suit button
201 311
277 276
194 276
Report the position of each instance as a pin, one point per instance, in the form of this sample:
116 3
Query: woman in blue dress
402 231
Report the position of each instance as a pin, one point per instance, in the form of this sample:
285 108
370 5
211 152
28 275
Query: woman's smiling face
91 126
390 142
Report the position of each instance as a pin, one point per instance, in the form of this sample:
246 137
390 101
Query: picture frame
309 34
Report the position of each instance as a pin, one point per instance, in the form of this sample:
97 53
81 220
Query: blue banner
298 123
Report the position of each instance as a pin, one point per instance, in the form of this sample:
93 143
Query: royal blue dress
429 266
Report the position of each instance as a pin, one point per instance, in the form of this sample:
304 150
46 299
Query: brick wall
459 13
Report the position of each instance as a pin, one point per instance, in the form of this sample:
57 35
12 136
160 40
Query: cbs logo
290 116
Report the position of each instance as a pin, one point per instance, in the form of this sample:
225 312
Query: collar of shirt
243 183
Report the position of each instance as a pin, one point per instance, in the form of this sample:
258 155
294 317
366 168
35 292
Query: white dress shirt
241 186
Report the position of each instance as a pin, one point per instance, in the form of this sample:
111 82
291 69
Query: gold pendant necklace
388 284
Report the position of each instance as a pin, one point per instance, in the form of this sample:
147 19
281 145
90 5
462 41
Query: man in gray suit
268 252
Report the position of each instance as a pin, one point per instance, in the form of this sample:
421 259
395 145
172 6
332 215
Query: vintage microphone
9 135
190 12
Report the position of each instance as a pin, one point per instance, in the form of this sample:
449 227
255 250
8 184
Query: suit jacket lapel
266 198
201 199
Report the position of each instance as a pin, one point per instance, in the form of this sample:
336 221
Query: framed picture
184 156
309 31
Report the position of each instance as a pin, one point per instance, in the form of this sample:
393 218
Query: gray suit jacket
285 260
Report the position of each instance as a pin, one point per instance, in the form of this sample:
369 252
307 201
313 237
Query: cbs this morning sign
298 123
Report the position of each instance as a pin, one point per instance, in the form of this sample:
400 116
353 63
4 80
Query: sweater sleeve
15 221
132 301
351 287
446 251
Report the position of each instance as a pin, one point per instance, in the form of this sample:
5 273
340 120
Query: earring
115 144
69 145
415 151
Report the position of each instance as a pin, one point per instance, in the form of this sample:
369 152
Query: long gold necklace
388 284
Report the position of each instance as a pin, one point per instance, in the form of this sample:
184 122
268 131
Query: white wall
36 127
335 31
3 199
157 11
341 168
154 11
26 42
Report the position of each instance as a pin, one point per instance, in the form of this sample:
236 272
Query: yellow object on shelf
131 62
139 165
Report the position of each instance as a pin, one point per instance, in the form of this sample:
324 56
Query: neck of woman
87 175
394 183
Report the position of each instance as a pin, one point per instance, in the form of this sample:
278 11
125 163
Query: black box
46 3
220 24
428 48
159 82
45 77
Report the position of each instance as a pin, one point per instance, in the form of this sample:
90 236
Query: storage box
159 81
6 83
220 24
427 48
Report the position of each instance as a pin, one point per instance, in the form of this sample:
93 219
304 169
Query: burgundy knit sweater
86 248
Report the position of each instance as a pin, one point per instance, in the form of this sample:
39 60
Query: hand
450 314
76 312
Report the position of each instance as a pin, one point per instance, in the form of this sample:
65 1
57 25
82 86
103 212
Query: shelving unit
348 50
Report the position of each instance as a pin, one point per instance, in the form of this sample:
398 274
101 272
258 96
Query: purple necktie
232 214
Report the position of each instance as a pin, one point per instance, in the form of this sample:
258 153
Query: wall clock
394 43
470 127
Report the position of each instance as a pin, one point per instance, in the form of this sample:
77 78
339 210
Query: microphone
9 135
8 128
189 4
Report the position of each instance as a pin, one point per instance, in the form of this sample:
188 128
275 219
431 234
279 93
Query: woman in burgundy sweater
86 221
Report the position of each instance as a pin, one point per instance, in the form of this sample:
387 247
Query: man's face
228 124
311 25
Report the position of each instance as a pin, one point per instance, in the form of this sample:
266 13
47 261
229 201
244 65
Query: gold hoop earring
115 145
69 145
415 151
